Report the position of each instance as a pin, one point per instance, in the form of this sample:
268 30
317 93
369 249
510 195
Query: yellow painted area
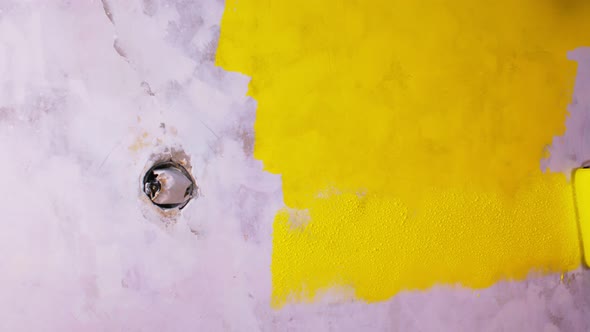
411 133
582 192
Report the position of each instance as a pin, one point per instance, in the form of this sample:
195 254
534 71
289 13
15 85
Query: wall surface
409 137
360 167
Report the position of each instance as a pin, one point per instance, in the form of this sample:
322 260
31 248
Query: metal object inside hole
169 185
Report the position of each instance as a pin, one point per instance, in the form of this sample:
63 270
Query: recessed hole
169 185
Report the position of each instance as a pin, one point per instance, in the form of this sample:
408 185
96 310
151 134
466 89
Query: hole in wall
169 185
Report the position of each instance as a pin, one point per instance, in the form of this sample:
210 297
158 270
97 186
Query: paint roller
581 181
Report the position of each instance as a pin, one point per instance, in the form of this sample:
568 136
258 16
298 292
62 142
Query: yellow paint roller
581 180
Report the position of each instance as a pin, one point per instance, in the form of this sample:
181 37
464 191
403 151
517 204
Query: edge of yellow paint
581 180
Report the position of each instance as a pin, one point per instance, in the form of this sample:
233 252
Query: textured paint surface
581 181
408 136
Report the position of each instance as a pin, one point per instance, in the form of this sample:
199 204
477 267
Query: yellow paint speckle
140 142
411 132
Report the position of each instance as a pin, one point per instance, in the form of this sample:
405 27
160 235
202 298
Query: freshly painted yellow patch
582 194
411 133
